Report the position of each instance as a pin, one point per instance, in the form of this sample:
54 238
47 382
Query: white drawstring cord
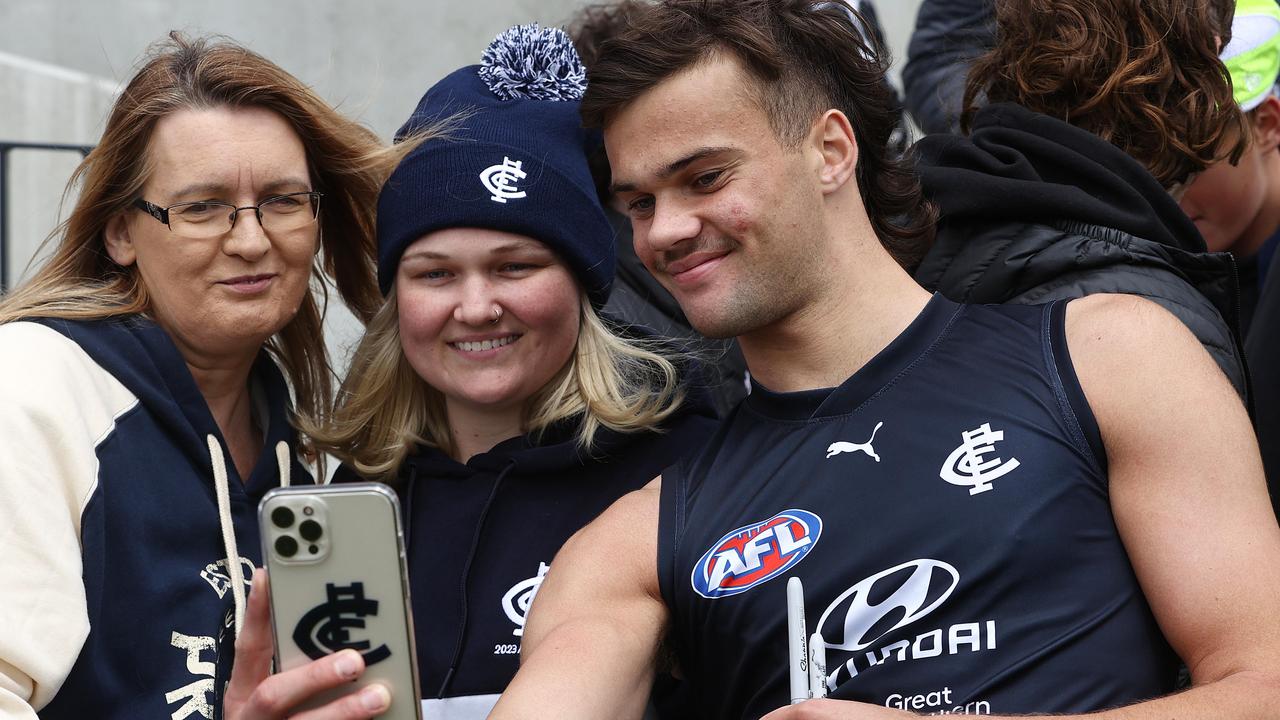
234 571
282 462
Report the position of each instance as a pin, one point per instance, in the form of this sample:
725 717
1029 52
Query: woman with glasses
152 374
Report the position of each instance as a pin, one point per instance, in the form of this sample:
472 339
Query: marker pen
797 651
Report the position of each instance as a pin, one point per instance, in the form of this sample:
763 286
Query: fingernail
375 698
348 664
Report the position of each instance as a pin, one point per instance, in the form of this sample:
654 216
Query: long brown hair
804 61
346 161
1141 74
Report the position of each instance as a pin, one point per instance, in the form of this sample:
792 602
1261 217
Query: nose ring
497 314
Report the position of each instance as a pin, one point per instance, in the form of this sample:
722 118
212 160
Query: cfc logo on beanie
500 180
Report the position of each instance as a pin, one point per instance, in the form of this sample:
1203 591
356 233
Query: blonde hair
346 161
385 408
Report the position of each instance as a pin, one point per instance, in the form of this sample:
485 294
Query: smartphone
335 559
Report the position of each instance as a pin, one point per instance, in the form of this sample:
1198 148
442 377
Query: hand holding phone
335 556
253 693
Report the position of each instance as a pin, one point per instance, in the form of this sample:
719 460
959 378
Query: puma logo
845 447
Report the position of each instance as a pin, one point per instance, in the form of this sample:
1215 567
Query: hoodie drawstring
466 579
220 488
282 462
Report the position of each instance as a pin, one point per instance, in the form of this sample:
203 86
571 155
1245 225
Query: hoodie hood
143 358
140 354
554 452
165 529
1021 166
557 451
1035 210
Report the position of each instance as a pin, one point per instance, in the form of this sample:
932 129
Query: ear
119 242
837 147
1266 124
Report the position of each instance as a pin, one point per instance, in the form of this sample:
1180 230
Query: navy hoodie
481 536
115 588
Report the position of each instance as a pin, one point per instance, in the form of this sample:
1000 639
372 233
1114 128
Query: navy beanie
515 160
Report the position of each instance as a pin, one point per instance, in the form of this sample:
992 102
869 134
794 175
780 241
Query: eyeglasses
210 219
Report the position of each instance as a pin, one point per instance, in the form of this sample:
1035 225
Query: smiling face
227 294
486 317
725 217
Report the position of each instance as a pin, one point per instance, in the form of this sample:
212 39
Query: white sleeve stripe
56 406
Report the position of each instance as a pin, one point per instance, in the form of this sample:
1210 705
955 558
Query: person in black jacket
949 35
1225 201
1236 207
1063 186
1262 348
491 390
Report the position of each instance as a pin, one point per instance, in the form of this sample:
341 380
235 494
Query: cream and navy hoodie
119 509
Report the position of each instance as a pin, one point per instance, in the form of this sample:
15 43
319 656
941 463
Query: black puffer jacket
1034 210
949 34
638 299
1263 352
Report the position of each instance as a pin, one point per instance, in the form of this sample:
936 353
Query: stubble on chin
745 310
755 302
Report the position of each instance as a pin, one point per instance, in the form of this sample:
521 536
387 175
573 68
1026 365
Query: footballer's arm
593 631
1190 501
1191 505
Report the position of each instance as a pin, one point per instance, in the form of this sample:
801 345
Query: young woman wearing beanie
489 391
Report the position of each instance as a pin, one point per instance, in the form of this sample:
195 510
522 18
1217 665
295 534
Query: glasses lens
289 212
201 219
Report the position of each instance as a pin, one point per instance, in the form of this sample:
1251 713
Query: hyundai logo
912 589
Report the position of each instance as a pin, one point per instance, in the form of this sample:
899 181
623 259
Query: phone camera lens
310 530
282 517
286 546
314 549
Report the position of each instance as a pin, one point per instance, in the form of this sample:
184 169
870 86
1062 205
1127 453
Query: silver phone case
348 588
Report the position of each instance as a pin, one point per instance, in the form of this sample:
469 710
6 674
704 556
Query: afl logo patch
757 553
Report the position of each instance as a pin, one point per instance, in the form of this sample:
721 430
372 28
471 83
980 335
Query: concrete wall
60 63
43 103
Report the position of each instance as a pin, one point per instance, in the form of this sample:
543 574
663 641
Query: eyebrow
675 167
519 245
423 255
213 188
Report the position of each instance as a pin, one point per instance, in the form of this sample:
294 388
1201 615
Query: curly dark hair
805 58
1141 74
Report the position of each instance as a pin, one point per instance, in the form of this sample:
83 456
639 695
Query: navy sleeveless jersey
947 511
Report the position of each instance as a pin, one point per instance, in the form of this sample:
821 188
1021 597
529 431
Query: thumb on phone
254 648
